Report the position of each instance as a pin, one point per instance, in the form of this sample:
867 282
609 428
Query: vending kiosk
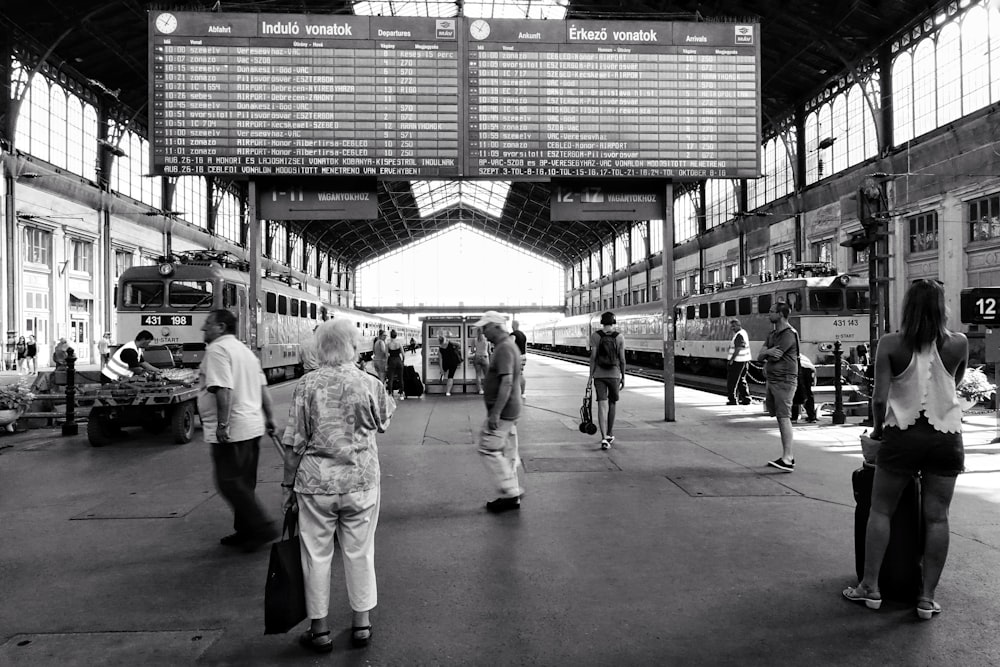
438 331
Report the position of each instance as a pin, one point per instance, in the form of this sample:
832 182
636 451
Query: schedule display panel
608 98
282 94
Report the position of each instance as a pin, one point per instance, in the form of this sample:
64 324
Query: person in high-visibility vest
127 360
739 357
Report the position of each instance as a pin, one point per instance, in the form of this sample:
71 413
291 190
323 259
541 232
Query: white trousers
352 517
500 456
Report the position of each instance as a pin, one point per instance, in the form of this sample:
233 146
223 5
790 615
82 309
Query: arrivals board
417 98
609 98
280 95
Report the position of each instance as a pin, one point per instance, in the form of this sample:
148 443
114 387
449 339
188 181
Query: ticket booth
456 330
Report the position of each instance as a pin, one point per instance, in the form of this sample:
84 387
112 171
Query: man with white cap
498 438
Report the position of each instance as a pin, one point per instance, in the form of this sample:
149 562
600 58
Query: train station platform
676 547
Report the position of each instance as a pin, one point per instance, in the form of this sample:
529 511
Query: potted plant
974 387
14 400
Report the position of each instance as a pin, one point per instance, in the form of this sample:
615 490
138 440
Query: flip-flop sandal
854 594
926 612
308 640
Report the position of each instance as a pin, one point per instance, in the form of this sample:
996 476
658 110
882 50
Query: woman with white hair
332 473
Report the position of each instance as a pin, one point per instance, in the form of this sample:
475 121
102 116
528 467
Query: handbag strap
291 527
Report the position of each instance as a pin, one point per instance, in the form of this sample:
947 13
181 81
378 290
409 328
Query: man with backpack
607 370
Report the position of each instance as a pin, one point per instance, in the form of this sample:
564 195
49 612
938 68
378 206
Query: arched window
902 94
57 126
924 88
840 130
812 142
976 59
949 67
857 113
189 200
38 139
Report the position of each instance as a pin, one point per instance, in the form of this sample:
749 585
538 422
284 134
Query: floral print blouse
334 416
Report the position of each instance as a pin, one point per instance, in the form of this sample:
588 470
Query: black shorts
921 448
607 389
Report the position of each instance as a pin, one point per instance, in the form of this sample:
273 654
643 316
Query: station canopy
804 45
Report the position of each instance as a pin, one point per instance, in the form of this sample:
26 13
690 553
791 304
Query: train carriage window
826 299
295 307
703 310
857 299
689 313
312 311
764 303
730 307
282 305
304 310
142 295
271 302
745 305
715 309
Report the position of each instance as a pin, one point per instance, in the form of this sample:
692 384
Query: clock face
166 23
479 29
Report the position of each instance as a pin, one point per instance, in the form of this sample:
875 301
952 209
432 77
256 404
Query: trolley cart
153 404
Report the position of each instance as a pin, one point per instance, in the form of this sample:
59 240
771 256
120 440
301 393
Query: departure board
280 95
422 98
607 99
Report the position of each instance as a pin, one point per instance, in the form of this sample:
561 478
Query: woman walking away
918 419
480 358
394 365
332 474
22 352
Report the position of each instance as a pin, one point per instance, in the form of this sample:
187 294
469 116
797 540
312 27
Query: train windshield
141 295
191 294
826 300
857 299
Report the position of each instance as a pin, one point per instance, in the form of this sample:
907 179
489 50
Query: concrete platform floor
676 547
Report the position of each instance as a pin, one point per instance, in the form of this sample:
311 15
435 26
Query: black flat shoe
308 640
503 504
361 642
234 540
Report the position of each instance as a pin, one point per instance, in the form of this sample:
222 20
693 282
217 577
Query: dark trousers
236 479
804 395
737 389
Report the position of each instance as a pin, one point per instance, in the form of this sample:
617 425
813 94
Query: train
173 298
825 310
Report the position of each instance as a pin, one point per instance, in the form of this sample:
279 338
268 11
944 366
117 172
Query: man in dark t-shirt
522 346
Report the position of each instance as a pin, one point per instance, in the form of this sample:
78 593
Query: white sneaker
402 398
447 393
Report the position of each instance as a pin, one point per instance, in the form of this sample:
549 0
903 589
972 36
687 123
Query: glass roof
499 9
434 196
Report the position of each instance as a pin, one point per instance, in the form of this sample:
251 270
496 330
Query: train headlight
844 279
166 269
165 332
825 347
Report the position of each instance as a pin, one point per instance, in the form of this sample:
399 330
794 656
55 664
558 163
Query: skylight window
494 9
486 196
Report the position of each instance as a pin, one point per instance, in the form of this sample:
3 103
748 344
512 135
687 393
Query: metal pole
838 393
70 427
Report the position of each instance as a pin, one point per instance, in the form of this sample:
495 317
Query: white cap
491 317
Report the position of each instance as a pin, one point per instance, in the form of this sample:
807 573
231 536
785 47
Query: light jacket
743 354
116 369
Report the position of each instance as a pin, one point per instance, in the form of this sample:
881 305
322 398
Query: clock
166 23
479 29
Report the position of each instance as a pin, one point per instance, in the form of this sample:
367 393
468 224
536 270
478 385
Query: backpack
607 350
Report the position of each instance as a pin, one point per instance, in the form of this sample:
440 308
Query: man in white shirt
235 411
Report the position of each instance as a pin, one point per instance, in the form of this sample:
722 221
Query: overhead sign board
306 201
260 95
606 200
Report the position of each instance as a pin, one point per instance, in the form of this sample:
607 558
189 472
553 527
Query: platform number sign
981 305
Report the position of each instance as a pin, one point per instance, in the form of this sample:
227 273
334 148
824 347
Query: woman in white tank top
917 416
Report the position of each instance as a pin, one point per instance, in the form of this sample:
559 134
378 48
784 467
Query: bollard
70 427
838 392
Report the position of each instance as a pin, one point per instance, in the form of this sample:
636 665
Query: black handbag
285 591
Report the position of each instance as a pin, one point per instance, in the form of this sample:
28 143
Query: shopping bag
284 591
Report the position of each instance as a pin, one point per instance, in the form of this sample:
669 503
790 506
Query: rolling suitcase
412 385
900 576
